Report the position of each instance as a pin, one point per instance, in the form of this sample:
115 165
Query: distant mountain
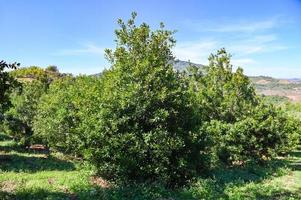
290 88
179 65
265 85
183 65
297 80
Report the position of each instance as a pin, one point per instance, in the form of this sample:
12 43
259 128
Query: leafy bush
28 74
263 135
292 108
7 84
19 118
52 68
220 93
244 127
143 121
68 103
16 128
144 129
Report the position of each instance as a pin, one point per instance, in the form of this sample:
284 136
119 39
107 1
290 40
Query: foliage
33 175
63 110
221 93
292 108
244 127
276 100
19 119
7 84
144 129
263 135
28 74
143 121
52 68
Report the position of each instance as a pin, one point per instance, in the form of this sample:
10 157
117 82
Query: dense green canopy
142 120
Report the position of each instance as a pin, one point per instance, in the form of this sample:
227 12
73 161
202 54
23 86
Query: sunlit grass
30 175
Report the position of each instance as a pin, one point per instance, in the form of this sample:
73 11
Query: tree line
143 121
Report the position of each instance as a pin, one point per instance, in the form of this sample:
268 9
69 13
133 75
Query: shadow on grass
20 163
266 193
224 183
280 195
6 195
251 172
249 182
13 146
232 184
145 192
11 159
296 154
41 194
4 137
295 164
34 194
124 193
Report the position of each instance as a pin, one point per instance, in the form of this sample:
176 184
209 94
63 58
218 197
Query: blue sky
264 36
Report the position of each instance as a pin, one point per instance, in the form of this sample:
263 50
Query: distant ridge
265 85
181 65
178 65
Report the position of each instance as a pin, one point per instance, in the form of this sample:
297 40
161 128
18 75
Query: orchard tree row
143 121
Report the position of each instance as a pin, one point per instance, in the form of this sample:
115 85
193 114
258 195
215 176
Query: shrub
144 129
223 94
244 127
19 118
16 128
62 111
7 84
263 135
52 68
143 121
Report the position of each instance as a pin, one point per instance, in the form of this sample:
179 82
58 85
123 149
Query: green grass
30 175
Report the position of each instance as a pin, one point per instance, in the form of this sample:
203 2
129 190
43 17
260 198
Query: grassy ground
30 175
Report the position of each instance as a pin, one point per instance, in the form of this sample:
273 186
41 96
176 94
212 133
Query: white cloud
243 61
195 51
256 44
237 26
246 26
241 38
85 49
264 38
243 48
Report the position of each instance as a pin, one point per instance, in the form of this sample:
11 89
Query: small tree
266 133
243 126
63 114
19 118
145 129
52 68
7 83
223 94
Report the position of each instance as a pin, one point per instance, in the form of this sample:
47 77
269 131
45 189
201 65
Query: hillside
29 74
183 65
289 88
